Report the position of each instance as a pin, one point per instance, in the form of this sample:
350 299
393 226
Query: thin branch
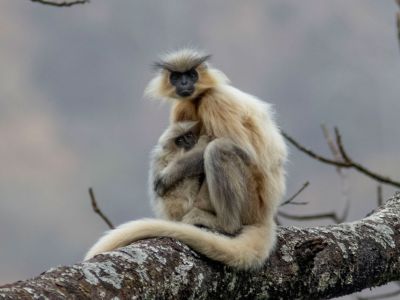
347 163
314 155
398 21
290 200
344 187
332 215
331 144
98 211
61 4
398 26
379 194
359 167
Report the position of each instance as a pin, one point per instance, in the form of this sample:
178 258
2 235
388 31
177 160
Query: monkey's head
183 75
181 135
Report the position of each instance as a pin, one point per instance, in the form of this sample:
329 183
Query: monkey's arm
191 164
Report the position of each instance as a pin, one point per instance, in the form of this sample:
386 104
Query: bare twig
97 209
344 187
290 200
332 215
314 155
61 4
347 161
359 167
398 26
331 144
398 21
379 194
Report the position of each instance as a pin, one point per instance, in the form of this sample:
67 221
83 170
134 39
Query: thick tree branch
310 263
61 4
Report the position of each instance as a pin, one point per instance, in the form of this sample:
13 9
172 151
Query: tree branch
398 22
313 154
98 211
61 4
347 161
309 263
290 200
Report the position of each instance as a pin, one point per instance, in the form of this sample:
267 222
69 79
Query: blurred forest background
73 116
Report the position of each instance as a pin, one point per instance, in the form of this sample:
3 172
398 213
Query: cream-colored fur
187 193
246 251
224 112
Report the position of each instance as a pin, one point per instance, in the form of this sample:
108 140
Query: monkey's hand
160 186
191 165
166 180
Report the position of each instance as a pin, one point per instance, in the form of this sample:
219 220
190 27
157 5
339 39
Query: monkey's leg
227 169
201 211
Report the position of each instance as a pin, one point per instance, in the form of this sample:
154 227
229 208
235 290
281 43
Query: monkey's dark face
184 82
186 140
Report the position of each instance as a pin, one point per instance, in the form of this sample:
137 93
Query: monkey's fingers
159 186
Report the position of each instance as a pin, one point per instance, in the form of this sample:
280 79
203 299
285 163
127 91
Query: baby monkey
184 170
185 189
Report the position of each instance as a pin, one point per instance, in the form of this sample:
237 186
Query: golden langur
243 165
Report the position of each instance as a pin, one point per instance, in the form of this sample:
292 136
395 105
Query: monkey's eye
179 141
193 74
190 135
174 77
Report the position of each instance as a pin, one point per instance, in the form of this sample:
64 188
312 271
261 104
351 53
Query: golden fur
226 113
187 193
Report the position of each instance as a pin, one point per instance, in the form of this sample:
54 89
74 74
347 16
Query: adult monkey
236 121
201 93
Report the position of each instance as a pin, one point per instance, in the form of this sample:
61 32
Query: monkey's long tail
248 250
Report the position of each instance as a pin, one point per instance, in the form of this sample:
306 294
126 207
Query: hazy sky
72 113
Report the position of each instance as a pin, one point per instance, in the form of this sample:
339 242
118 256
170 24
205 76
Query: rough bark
310 263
